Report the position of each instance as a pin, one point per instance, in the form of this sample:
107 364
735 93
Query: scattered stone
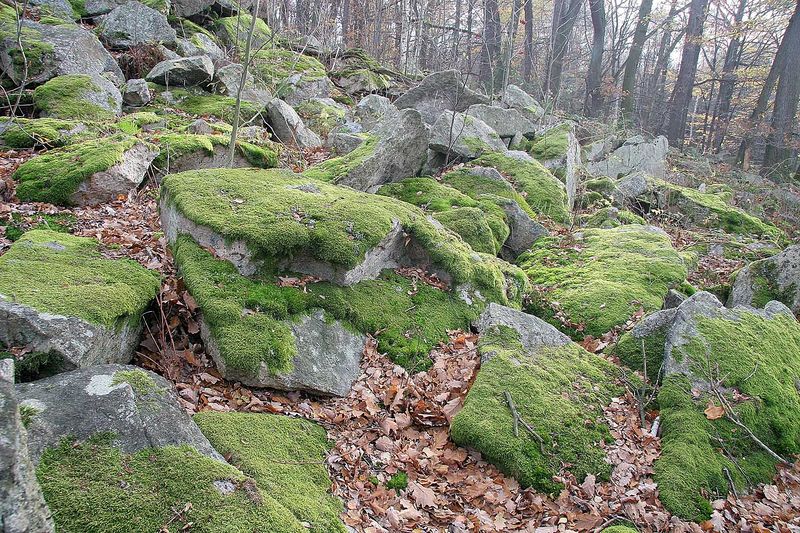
187 8
289 127
200 44
68 305
343 143
557 148
635 154
184 71
22 506
773 278
7 370
228 78
139 407
515 98
536 404
508 123
200 127
394 150
322 115
134 23
78 97
464 136
59 8
438 92
136 93
372 110
56 51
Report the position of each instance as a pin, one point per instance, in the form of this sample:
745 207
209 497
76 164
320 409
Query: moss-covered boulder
86 173
730 376
72 307
773 278
642 192
396 149
42 132
357 72
461 136
322 114
261 223
232 32
78 97
197 102
286 458
440 91
610 217
291 76
557 148
557 391
187 151
592 281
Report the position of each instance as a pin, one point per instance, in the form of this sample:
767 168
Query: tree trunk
527 59
791 35
567 15
490 51
594 97
346 23
722 114
634 56
678 107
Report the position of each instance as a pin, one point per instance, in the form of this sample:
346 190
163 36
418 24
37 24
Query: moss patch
285 456
633 352
553 144
338 167
93 486
54 176
756 356
610 217
16 224
203 104
44 132
276 66
233 31
176 145
66 97
603 277
320 117
66 275
559 391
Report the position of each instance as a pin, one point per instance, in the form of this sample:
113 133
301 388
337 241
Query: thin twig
519 420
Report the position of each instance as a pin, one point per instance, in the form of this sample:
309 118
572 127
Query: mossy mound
559 391
176 145
757 359
286 458
320 117
44 132
338 167
552 144
611 217
600 277
481 224
71 98
358 72
93 486
54 176
16 224
283 70
233 31
65 275
542 191
202 104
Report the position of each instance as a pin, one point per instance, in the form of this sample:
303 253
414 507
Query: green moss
276 215
553 144
34 365
234 30
542 191
633 352
202 104
766 285
603 185
756 356
27 413
93 486
428 194
133 123
162 6
559 391
16 225
188 29
140 382
602 278
285 456
611 217
43 132
66 97
37 51
338 167
276 66
619 529
398 482
248 338
476 228
54 176
477 187
66 275
320 117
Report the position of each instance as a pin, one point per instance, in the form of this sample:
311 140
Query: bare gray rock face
99 93
439 92
372 110
134 23
508 123
182 72
288 126
93 8
515 98
635 154
464 136
227 80
70 50
524 230
138 406
22 506
117 180
773 278
135 93
59 8
199 44
187 8
343 143
76 342
298 90
534 333
327 360
399 150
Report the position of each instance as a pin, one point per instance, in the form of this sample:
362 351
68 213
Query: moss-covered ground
202 104
66 275
286 458
176 145
601 278
338 167
275 67
560 392
54 176
553 144
92 486
760 359
45 132
64 97
16 225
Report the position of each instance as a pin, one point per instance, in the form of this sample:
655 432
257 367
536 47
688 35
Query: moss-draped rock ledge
596 279
286 458
73 307
556 387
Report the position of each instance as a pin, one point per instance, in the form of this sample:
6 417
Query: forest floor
393 422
